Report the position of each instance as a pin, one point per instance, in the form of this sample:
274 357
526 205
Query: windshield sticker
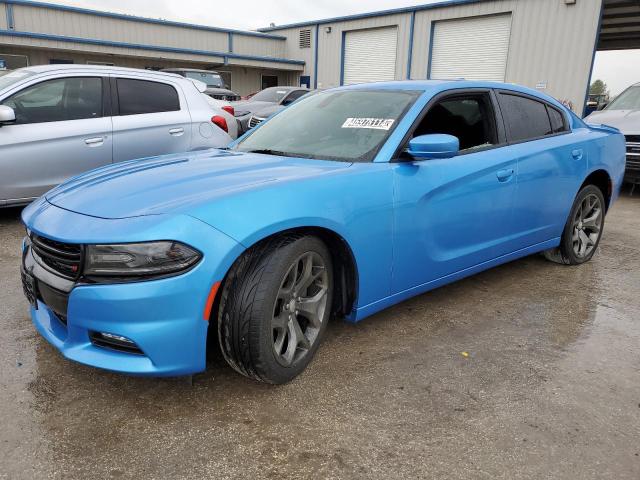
375 123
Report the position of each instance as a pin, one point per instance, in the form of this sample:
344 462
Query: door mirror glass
7 115
434 145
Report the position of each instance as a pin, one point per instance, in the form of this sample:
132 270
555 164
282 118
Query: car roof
436 86
199 70
95 68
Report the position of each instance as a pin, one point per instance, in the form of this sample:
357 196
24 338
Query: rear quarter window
142 96
525 118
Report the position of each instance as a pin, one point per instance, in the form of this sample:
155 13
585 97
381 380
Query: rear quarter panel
607 151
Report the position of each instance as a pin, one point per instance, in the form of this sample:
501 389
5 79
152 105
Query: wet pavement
550 388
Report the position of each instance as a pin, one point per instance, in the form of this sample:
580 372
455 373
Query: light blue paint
407 223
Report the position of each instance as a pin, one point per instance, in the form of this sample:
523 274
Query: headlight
149 259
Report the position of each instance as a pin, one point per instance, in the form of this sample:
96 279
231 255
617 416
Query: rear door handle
176 131
505 174
577 154
94 142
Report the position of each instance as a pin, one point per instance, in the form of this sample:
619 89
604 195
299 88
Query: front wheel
583 229
275 306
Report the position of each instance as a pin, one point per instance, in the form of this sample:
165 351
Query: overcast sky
616 69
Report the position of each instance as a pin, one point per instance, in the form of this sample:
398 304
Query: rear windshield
211 79
627 100
273 94
346 125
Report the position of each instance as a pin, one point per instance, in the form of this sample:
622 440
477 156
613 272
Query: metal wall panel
292 47
3 16
258 46
72 24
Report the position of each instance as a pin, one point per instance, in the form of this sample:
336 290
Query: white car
57 121
225 110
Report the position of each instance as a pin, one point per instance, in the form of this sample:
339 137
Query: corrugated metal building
544 44
38 33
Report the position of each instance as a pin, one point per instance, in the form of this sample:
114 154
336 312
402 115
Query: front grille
633 153
255 121
61 258
227 98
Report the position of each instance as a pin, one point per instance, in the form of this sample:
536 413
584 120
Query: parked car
262 114
57 121
226 113
345 203
596 102
269 97
624 113
216 87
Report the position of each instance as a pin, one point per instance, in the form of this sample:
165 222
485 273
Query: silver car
624 113
269 97
57 121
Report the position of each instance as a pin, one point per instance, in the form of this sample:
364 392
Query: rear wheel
275 306
583 229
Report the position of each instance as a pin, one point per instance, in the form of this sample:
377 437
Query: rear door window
137 97
58 100
525 118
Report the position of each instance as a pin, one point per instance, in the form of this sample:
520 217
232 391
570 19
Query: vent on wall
305 38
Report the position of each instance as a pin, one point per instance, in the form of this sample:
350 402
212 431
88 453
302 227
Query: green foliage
598 87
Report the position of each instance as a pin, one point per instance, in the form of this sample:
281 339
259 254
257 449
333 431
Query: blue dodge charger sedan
345 203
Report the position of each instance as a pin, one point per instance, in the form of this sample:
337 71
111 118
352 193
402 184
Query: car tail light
229 109
220 122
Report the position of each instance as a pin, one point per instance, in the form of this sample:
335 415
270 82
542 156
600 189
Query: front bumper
164 317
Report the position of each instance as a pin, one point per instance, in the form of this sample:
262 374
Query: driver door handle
94 142
505 174
577 154
176 131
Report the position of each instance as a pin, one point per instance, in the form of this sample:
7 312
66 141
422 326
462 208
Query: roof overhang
620 25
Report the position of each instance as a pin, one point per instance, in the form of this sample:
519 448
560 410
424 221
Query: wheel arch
344 265
601 179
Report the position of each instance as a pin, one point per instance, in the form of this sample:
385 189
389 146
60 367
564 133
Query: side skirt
367 310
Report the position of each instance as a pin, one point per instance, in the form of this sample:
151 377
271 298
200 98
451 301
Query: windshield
211 79
627 100
346 125
273 94
14 77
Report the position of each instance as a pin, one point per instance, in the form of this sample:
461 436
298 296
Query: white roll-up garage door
370 55
471 48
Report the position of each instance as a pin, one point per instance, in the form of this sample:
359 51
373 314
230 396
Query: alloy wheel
299 308
587 226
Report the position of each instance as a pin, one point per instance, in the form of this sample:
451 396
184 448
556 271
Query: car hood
219 91
179 183
627 121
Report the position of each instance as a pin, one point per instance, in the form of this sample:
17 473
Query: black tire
566 253
248 300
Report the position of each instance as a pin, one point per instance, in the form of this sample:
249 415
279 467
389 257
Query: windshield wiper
268 151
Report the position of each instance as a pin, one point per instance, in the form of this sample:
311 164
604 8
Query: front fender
355 203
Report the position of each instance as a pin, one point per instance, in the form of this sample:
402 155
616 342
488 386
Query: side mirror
434 145
7 115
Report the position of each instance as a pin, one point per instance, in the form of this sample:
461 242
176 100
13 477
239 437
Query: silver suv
57 121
